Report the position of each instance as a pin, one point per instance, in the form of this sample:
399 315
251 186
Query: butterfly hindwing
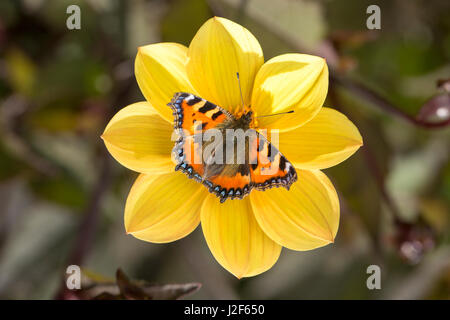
186 155
232 182
266 168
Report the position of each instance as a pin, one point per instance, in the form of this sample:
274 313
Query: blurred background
62 196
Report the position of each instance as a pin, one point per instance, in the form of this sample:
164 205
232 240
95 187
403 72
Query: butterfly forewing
191 111
272 169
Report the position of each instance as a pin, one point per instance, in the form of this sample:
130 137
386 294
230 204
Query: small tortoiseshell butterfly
264 167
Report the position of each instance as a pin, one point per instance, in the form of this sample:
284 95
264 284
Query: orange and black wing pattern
271 168
187 155
231 183
265 167
193 114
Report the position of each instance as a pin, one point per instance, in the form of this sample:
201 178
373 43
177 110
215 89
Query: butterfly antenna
275 114
240 90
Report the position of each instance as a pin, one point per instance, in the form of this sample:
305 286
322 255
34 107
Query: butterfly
264 166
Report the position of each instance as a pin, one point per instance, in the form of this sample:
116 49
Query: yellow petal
328 139
140 139
163 208
235 239
219 50
305 217
288 82
160 71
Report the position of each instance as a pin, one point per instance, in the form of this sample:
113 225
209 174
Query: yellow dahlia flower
245 236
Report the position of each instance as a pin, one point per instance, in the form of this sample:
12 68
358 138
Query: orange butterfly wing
268 168
235 185
271 169
193 114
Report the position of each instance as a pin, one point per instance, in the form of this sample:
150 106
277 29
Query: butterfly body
253 164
